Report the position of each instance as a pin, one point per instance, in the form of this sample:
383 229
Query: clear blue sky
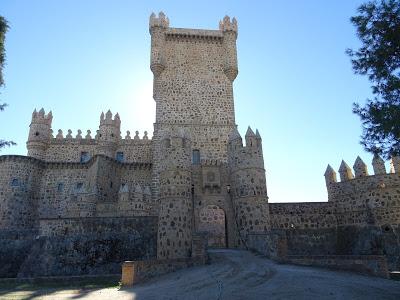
295 83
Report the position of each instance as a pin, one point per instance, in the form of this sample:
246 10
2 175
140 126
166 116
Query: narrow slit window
196 157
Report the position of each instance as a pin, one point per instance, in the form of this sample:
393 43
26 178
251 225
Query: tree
378 28
3 30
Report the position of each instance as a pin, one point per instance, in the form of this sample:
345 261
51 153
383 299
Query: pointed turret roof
345 171
360 168
329 171
258 134
250 132
378 164
234 135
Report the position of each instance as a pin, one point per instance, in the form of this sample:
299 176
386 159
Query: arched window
15 182
196 157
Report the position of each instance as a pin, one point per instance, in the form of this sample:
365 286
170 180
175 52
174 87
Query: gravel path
235 274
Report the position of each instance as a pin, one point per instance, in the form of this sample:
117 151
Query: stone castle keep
83 204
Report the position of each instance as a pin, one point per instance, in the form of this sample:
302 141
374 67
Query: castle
83 204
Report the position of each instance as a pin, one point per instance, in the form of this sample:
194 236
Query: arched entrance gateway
212 221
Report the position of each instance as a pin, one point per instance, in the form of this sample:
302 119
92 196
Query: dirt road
235 274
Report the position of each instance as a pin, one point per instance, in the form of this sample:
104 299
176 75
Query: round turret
157 27
230 30
39 134
109 134
176 210
248 184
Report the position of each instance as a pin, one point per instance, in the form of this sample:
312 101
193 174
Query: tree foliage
3 31
378 28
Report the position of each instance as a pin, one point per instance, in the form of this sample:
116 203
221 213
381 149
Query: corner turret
157 27
109 134
248 184
250 137
230 31
39 134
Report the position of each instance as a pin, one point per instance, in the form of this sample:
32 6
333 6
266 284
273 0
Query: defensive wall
361 217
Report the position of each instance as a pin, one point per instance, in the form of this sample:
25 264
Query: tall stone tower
194 70
193 74
176 209
39 134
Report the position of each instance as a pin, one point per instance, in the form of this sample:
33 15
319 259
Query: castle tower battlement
194 70
248 156
39 133
79 147
248 184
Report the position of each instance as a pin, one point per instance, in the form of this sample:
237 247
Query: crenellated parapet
248 156
47 145
227 25
89 139
161 32
363 198
360 180
161 21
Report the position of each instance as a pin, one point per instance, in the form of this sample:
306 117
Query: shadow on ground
232 274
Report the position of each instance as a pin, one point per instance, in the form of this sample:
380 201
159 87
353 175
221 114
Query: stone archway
212 221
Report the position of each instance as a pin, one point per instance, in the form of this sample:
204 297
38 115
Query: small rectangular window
120 156
60 187
79 185
85 157
196 157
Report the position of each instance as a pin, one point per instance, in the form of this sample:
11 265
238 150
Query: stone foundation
375 265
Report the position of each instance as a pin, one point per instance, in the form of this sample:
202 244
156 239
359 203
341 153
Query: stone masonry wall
19 182
79 246
176 207
193 74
